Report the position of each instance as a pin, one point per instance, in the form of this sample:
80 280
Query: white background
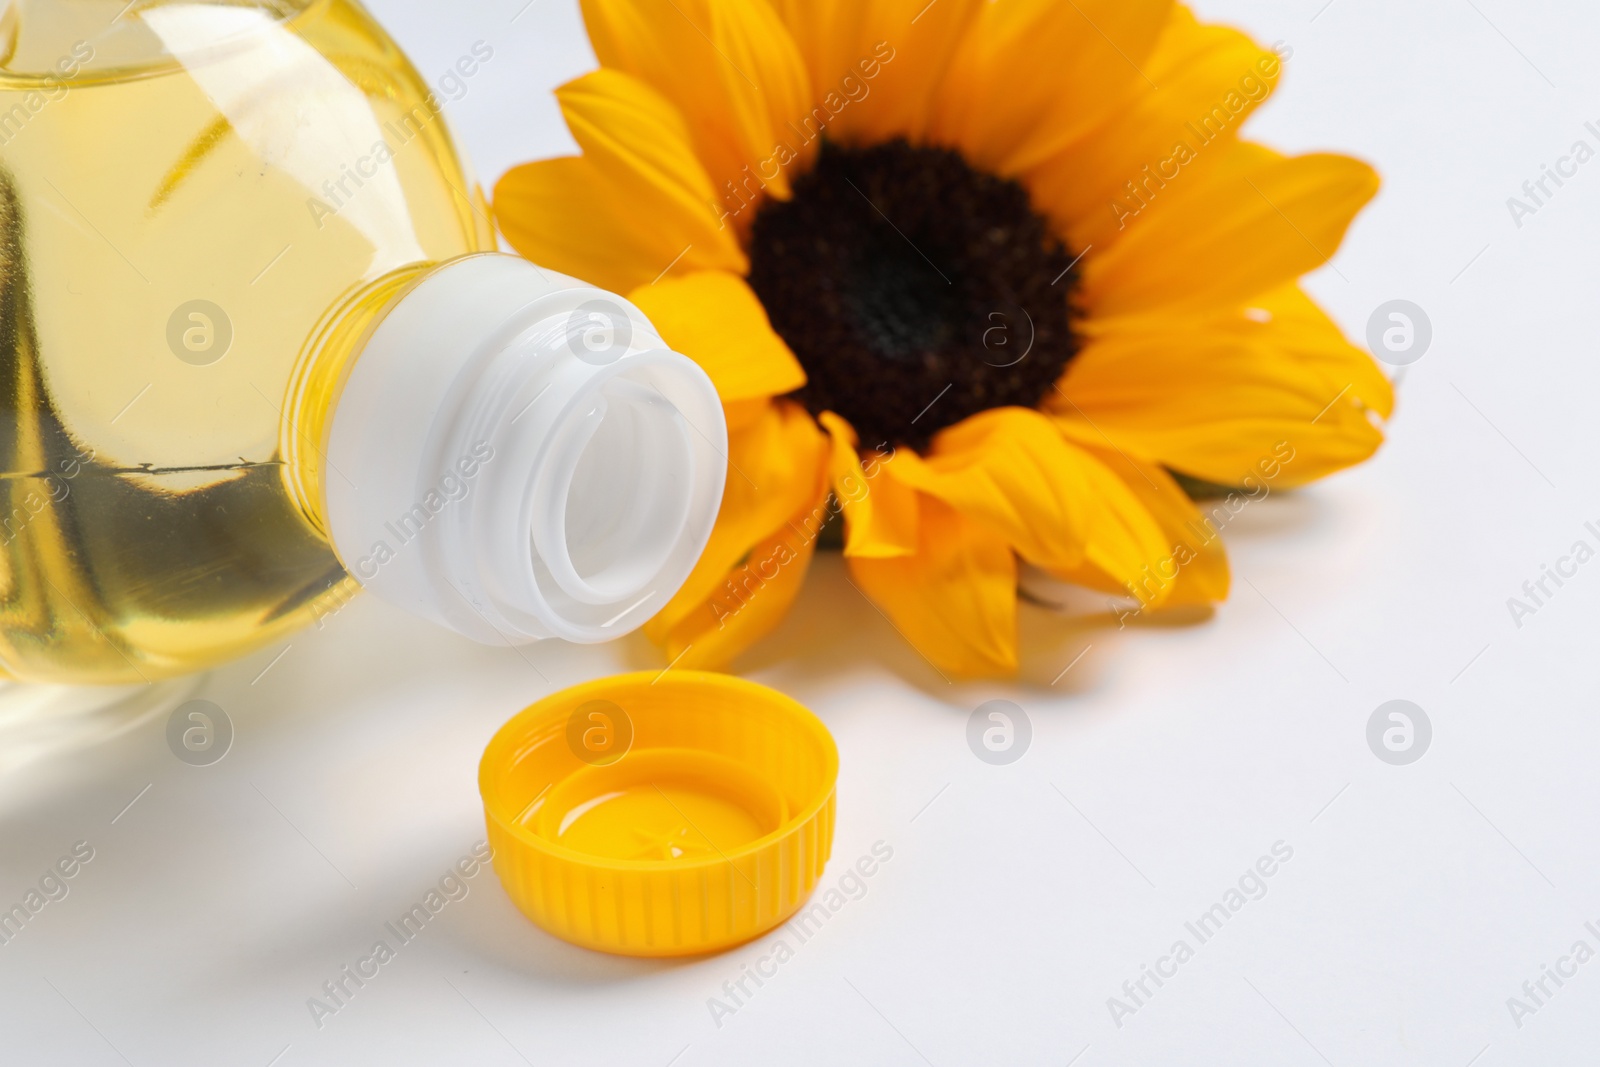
1163 764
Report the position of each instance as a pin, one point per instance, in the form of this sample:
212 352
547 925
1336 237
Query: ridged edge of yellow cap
659 907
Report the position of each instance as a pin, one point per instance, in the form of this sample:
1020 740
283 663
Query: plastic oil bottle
256 353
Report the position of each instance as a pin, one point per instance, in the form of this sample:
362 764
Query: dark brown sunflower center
914 289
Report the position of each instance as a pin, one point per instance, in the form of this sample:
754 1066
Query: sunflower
991 281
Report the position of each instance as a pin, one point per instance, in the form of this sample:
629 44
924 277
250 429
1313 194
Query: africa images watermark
1158 578
454 486
48 90
399 133
1537 992
53 885
1538 190
452 887
824 905
756 573
1252 87
1251 886
1537 592
33 503
745 190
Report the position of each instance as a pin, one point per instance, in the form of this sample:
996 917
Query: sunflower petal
1075 59
742 413
1290 320
874 63
755 597
1255 222
1054 503
636 136
1229 400
636 203
713 318
564 215
776 470
1194 568
1009 469
956 599
729 65
1207 81
880 511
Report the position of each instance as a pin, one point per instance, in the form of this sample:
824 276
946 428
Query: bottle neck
509 452
319 378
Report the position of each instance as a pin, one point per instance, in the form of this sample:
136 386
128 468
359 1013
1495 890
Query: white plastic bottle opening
519 456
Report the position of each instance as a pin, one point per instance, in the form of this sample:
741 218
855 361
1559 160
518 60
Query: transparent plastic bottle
256 353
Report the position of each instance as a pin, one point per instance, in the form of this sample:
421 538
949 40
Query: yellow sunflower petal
562 214
1010 469
636 203
874 63
742 413
880 511
1255 221
776 470
1207 81
1225 401
956 599
636 137
713 318
1054 503
1194 568
1288 319
730 67
748 605
1031 76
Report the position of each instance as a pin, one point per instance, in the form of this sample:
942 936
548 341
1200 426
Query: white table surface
1163 765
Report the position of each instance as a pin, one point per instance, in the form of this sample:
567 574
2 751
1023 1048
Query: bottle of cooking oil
256 353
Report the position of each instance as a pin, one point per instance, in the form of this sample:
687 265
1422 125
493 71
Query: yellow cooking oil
201 204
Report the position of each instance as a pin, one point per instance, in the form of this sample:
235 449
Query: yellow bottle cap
660 814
